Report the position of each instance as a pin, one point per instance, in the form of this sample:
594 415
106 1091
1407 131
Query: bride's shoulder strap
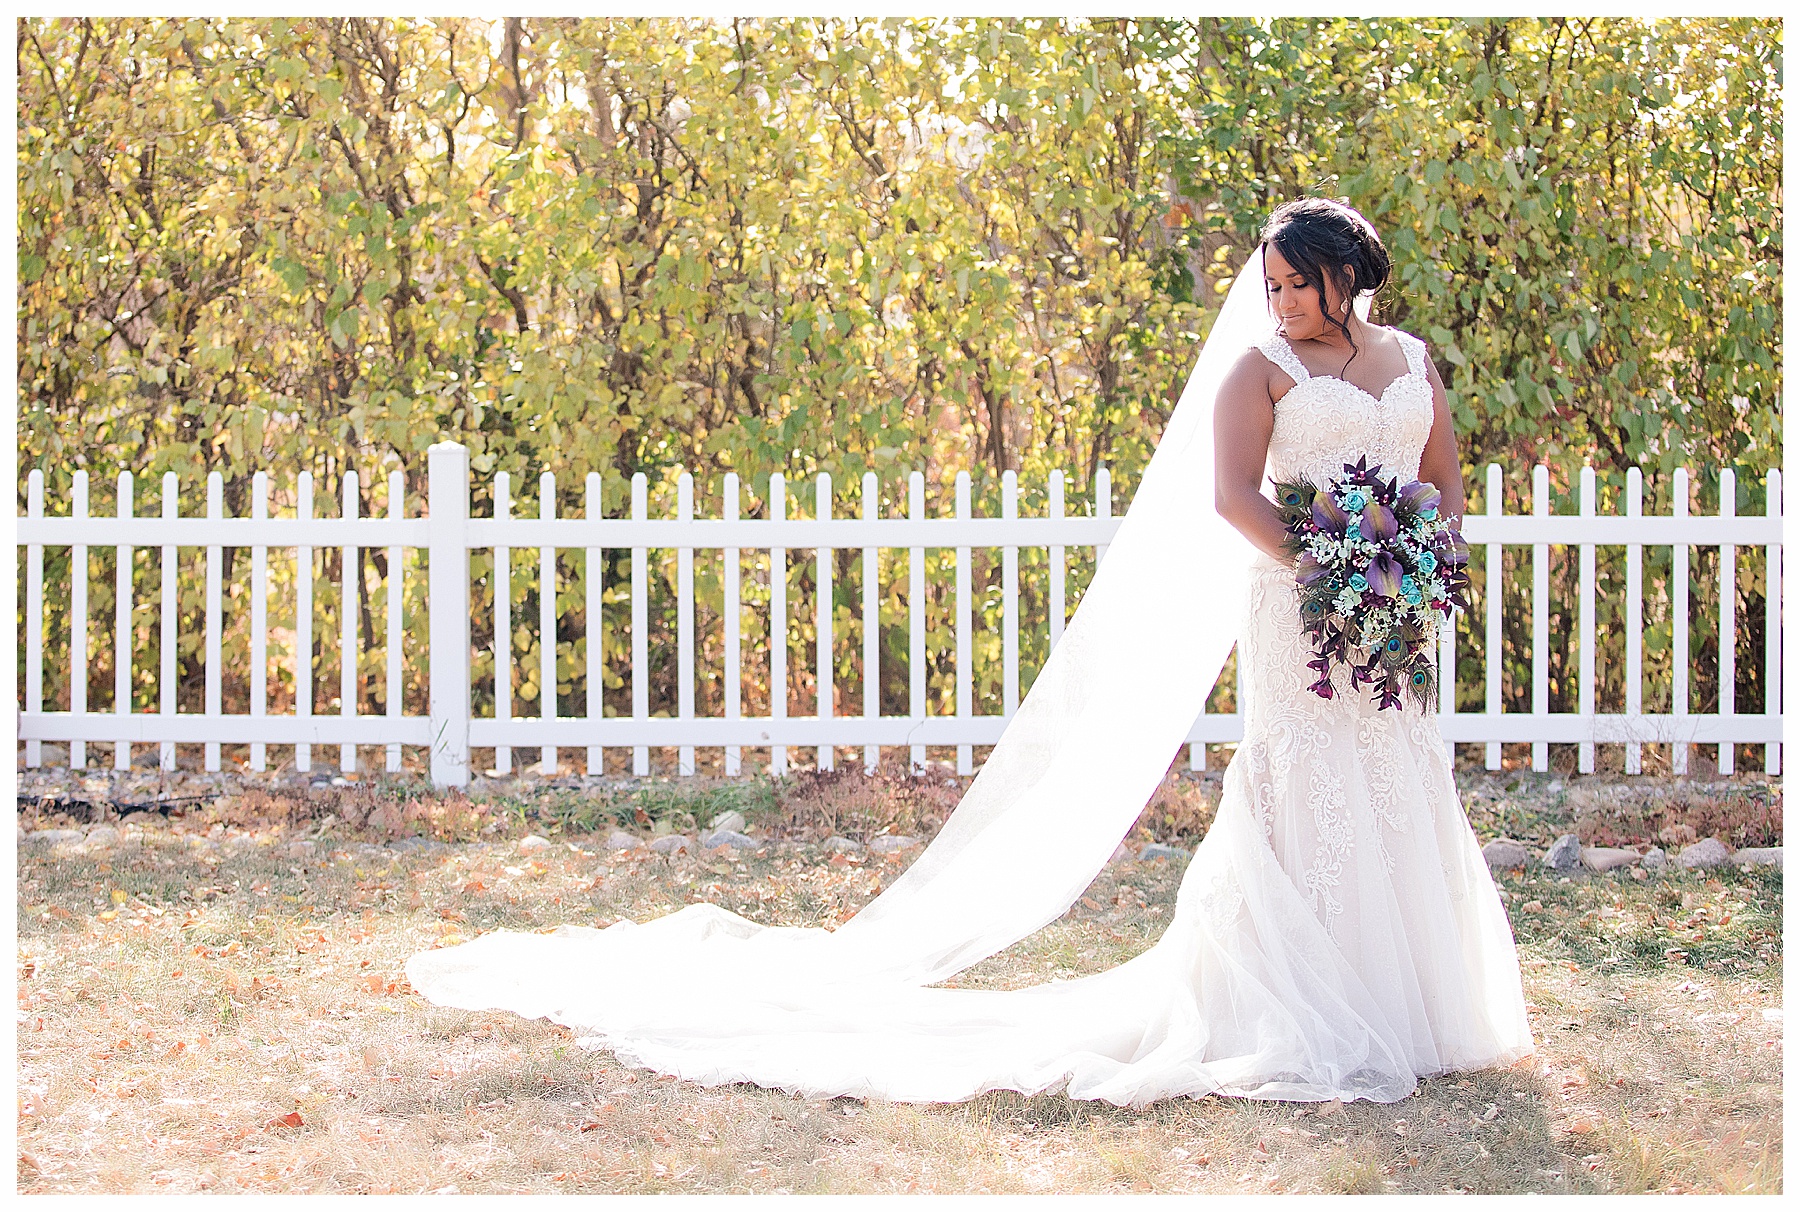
1275 348
1415 351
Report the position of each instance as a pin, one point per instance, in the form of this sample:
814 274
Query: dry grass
179 997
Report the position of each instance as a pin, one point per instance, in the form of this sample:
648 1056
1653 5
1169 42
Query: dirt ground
213 1002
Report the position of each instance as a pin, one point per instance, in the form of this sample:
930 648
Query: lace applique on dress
1325 795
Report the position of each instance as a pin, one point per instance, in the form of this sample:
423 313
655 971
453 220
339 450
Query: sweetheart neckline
1310 376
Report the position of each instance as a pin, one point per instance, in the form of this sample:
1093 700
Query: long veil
1063 785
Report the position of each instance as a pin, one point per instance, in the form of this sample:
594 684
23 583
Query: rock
730 822
1564 853
52 837
673 843
1654 858
304 849
533 844
422 845
1707 852
892 844
726 837
1759 856
618 839
102 835
1122 853
140 819
1607 858
842 845
1504 854
1156 850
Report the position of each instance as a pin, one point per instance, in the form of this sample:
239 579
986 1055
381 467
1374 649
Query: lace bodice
1324 422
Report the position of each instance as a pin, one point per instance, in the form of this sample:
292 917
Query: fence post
448 536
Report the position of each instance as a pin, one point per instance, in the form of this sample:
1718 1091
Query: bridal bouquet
1376 568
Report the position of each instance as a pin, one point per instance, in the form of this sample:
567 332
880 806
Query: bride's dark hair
1320 238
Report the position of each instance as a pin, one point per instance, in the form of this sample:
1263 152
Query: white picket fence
448 534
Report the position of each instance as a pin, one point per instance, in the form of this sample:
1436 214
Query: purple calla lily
1308 571
1419 497
1328 515
1384 575
1378 522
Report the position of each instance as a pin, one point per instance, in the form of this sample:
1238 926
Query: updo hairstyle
1324 239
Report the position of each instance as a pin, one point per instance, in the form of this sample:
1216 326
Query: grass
228 1013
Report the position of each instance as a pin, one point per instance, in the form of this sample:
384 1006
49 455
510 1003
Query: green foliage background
848 246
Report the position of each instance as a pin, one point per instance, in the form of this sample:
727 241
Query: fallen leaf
290 1120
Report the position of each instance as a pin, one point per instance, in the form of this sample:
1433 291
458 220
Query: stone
673 843
1654 858
141 819
726 837
618 839
102 835
1121 854
842 845
892 844
1564 853
1156 850
1707 852
53 837
1607 858
1759 856
731 821
421 845
1504 854
303 849
533 844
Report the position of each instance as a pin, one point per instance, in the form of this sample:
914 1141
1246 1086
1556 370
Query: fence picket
34 615
734 673
503 663
1495 593
640 625
871 620
259 618
595 568
1634 620
1540 614
778 687
1678 693
547 623
215 705
78 622
1009 600
122 646
1102 508
171 605
1584 761
303 621
395 594
684 597
349 649
965 754
1772 625
915 619
1727 619
1058 609
822 620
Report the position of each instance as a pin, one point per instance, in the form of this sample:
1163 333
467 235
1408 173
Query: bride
1336 934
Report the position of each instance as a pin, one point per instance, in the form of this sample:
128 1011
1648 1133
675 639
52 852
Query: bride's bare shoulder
1254 377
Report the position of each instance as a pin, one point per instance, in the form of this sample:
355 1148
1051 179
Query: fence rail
448 534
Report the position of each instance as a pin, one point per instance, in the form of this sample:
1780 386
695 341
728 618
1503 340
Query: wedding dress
1336 934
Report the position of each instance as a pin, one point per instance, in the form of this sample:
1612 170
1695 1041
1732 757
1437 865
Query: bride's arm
1440 465
1243 419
